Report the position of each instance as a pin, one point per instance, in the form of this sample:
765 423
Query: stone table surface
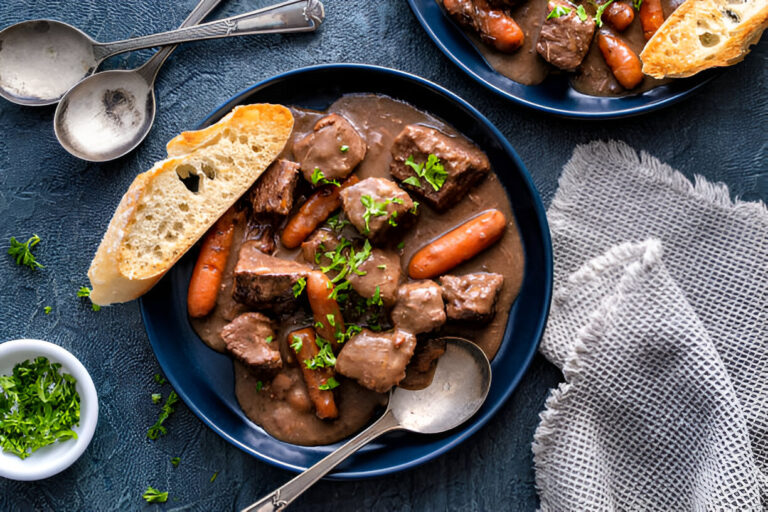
719 133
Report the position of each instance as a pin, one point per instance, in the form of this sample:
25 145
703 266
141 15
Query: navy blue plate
554 95
204 378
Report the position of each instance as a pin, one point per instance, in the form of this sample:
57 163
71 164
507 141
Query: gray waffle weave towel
660 325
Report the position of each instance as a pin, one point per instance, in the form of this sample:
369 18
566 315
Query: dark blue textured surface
720 133
205 380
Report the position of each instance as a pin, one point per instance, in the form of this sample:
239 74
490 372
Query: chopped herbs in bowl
48 409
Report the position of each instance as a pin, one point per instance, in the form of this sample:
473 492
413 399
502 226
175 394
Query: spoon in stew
40 60
459 387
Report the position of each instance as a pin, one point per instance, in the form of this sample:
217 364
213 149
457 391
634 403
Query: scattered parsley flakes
152 495
324 357
559 10
329 384
297 344
84 291
344 148
299 286
158 429
213 478
156 397
637 4
160 379
412 180
581 13
336 223
401 245
376 299
382 266
175 461
375 208
318 178
269 339
47 310
432 171
22 252
259 385
38 406
599 13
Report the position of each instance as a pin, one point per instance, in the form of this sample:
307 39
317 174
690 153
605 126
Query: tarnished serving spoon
40 60
109 113
460 385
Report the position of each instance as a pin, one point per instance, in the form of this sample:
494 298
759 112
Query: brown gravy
593 77
282 406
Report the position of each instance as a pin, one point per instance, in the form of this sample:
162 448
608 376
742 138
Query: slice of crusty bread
168 208
703 34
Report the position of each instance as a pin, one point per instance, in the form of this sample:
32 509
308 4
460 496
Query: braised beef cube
419 373
454 162
382 271
564 40
334 147
266 282
375 206
261 230
273 192
321 240
376 360
250 338
419 307
471 296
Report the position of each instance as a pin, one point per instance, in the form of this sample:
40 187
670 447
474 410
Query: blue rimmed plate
204 379
554 95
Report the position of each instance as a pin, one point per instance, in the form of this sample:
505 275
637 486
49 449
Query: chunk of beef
419 373
564 40
471 296
375 205
321 240
334 147
250 338
419 307
273 192
463 164
261 230
266 282
376 360
382 271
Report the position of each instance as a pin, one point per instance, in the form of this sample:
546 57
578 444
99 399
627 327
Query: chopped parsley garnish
412 180
158 429
38 406
269 339
152 495
401 245
382 266
637 4
324 357
331 319
414 208
344 260
329 384
156 397
599 13
84 291
344 148
213 478
259 385
175 461
47 310
318 178
160 379
339 288
336 223
581 13
22 252
297 344
558 11
299 286
375 208
319 325
376 299
432 171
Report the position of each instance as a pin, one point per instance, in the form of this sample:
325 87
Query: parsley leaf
375 208
269 339
160 379
344 148
329 384
84 291
637 4
599 13
47 310
336 223
38 406
432 171
22 252
558 11
318 178
412 180
259 385
158 429
213 478
401 245
324 357
152 495
376 299
297 344
299 286
582 13
156 397
175 461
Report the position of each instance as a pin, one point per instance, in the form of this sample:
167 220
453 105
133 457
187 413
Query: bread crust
676 51
115 273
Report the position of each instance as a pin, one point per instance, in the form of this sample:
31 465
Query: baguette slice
168 208
703 34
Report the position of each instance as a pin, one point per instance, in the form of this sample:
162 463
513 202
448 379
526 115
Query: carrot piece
315 210
620 15
651 17
324 307
624 63
458 245
209 269
497 28
325 405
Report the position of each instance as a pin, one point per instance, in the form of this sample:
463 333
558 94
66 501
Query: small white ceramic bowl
56 457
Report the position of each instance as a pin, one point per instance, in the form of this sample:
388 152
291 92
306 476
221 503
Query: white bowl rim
55 458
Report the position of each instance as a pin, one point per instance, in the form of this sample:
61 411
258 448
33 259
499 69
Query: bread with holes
168 208
703 34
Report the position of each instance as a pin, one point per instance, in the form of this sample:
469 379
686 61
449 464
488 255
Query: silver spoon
40 60
460 385
109 113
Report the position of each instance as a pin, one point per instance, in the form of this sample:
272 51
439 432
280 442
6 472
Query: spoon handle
150 68
290 16
283 496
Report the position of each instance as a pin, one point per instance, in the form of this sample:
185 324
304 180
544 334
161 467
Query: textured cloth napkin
659 323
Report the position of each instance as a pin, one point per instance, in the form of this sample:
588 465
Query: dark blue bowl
204 378
554 95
